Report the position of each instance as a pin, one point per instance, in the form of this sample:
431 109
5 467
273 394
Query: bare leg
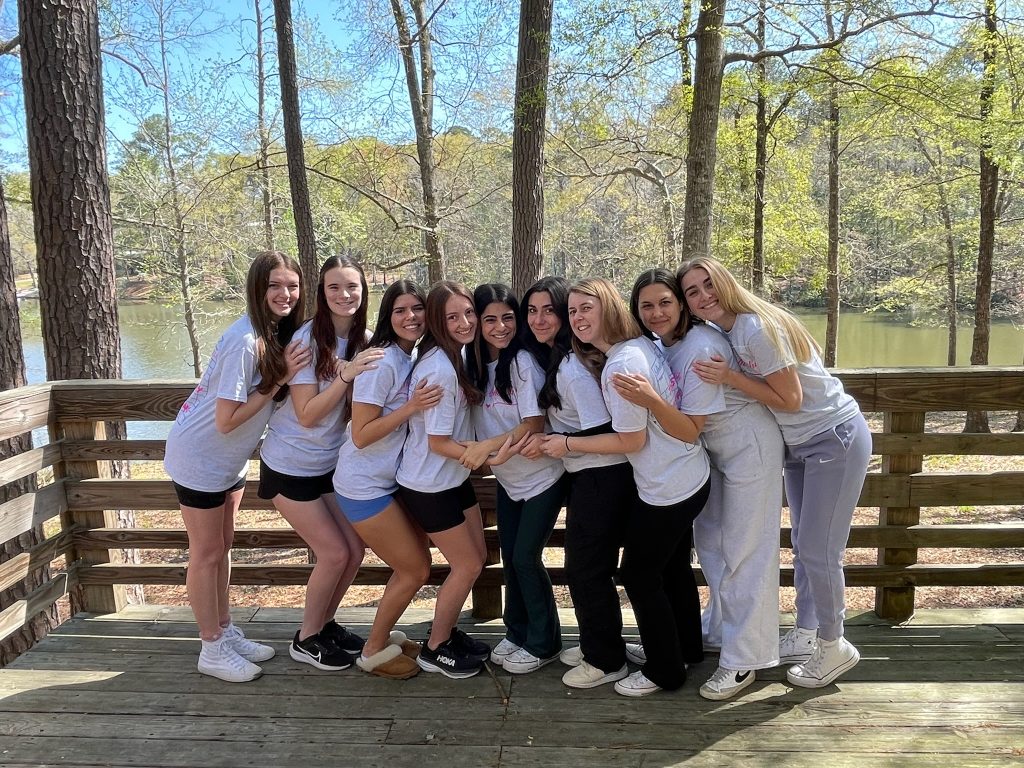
205 578
355 548
394 540
313 521
462 546
231 505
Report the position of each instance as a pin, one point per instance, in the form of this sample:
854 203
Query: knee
468 568
414 575
207 554
526 562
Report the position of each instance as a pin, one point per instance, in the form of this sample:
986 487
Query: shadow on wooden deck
946 689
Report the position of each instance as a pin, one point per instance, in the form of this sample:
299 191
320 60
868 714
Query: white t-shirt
825 402
694 396
289 447
521 478
369 473
198 456
667 471
583 407
420 468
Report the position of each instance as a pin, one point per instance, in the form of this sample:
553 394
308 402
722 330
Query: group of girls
660 426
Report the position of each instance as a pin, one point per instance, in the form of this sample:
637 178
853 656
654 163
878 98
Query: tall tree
419 81
296 152
988 190
12 375
263 132
529 113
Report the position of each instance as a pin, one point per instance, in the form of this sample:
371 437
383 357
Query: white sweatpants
737 538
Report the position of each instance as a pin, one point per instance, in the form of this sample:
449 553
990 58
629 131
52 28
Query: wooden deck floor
945 690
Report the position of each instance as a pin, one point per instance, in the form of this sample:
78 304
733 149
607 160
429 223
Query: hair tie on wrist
342 377
567 443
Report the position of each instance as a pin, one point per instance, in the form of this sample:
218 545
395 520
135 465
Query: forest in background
887 94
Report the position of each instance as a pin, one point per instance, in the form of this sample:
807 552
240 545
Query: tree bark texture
988 190
12 375
682 37
67 154
263 133
832 266
70 191
760 157
703 129
419 82
530 112
296 154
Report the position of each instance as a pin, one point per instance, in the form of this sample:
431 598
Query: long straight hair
272 333
784 331
549 358
325 341
437 336
478 356
660 276
616 322
384 334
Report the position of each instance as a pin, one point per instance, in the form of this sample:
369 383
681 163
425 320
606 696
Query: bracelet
342 377
567 444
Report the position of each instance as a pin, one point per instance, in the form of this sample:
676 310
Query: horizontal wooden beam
119 400
15 616
919 575
983 536
960 444
25 512
984 388
34 559
25 464
24 409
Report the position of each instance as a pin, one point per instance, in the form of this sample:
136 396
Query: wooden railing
82 494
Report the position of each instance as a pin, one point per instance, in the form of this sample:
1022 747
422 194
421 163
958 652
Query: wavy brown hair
437 335
272 333
324 339
660 276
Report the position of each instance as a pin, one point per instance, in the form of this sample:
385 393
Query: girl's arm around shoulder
780 390
231 414
369 426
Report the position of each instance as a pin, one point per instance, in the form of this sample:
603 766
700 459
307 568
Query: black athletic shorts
441 511
204 499
273 483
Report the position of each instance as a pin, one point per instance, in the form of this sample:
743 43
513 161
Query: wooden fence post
88 597
897 603
487 597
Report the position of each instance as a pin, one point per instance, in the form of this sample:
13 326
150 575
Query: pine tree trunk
832 267
263 160
529 116
703 129
760 157
67 154
301 210
12 375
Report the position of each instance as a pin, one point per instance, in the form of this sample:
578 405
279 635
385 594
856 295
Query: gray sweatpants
737 538
824 477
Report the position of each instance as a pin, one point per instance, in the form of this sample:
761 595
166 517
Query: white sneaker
797 645
586 676
571 657
830 659
219 659
725 683
636 684
247 649
505 648
635 653
522 661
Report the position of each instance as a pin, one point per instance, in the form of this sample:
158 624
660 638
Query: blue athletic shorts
357 510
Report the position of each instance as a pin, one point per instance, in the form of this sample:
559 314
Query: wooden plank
986 388
24 409
28 463
960 444
14 616
117 400
31 509
109 750
33 560
937 489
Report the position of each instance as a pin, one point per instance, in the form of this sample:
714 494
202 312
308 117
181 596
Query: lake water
154 344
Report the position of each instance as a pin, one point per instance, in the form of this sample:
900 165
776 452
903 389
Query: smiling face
460 319
702 298
585 319
497 326
659 310
282 292
343 289
408 319
542 318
